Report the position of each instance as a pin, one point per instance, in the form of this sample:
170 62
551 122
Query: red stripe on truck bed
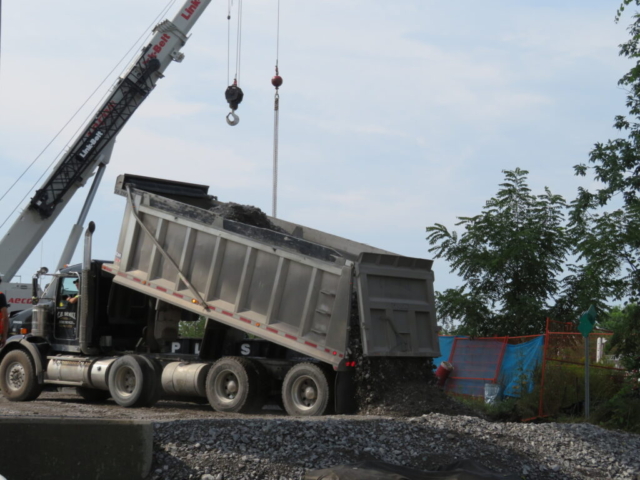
229 314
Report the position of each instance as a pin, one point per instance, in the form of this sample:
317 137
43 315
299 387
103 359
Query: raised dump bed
292 287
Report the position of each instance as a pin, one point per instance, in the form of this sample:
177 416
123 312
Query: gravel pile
397 386
247 214
285 448
192 441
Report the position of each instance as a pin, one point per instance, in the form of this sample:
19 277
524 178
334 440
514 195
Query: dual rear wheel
135 381
242 385
306 390
237 385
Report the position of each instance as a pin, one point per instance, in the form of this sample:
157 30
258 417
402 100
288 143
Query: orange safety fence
555 386
476 361
562 376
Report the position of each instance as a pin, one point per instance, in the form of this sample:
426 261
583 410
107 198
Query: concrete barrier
74 448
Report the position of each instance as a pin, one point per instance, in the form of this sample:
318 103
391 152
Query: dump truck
281 302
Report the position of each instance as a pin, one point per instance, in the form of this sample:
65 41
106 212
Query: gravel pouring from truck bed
285 448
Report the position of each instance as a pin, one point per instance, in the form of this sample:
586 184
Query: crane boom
89 149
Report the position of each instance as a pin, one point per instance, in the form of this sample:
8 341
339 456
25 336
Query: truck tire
93 395
130 381
306 391
18 379
233 385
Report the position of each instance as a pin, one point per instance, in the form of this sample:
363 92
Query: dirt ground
66 403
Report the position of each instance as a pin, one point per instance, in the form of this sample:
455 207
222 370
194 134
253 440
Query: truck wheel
130 381
18 379
306 391
93 395
232 385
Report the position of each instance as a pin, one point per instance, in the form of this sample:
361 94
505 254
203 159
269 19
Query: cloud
393 116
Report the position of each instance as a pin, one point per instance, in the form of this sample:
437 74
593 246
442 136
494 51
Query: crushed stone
287 448
192 441
247 214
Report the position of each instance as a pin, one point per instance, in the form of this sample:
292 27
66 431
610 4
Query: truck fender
30 344
345 389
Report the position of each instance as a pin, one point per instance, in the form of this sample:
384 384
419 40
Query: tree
608 219
192 329
509 256
625 342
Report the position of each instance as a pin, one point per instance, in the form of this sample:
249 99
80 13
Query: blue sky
394 115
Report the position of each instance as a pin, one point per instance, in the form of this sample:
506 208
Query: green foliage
564 388
507 410
624 4
610 246
607 220
622 411
190 329
509 257
613 318
626 336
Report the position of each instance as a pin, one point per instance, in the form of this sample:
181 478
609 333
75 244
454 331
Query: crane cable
155 21
276 81
234 94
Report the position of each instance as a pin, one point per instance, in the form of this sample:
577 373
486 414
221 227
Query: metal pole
586 377
76 230
276 122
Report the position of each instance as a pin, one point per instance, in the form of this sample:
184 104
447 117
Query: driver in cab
73 300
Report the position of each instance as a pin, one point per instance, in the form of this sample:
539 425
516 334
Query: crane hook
234 96
232 118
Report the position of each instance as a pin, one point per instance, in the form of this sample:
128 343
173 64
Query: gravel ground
284 447
192 441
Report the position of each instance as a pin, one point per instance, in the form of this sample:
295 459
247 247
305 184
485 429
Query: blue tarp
518 364
446 344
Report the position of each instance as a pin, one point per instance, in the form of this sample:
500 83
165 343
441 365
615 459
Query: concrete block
74 448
